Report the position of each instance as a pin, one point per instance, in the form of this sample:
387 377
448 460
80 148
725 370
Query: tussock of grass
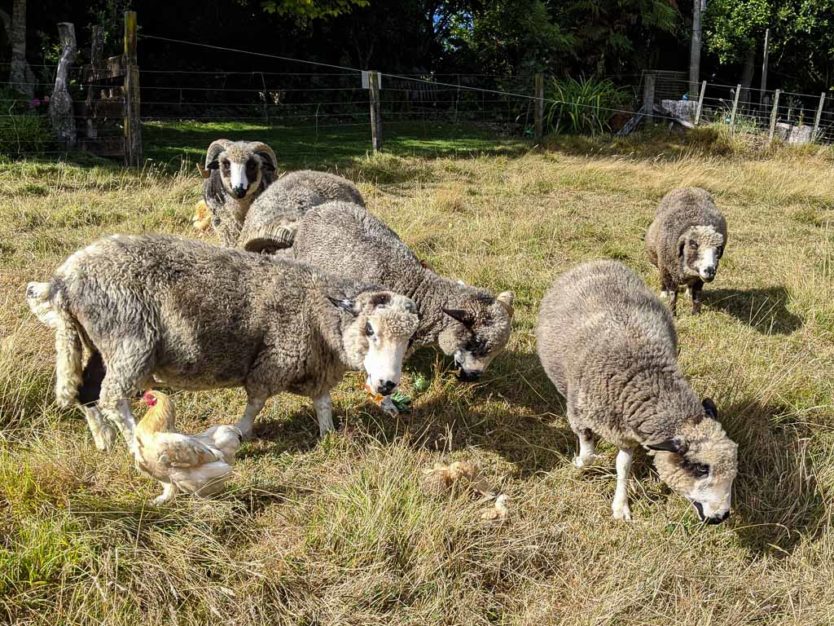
340 531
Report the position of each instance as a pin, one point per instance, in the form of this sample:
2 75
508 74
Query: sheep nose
239 191
718 518
468 376
386 387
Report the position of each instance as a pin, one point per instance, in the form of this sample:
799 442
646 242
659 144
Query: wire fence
331 99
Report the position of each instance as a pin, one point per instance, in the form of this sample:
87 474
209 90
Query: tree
17 36
312 9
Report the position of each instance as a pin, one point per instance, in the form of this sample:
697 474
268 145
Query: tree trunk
60 105
695 50
747 77
17 37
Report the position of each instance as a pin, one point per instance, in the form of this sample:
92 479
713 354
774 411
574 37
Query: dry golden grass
340 531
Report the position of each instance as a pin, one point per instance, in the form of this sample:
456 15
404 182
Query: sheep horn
214 151
265 152
267 239
506 298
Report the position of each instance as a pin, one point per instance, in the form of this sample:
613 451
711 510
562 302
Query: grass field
340 531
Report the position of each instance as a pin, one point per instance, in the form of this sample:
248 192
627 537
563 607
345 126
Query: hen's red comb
148 398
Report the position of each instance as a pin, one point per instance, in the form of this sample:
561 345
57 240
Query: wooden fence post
648 96
817 117
376 118
700 102
773 115
132 119
61 113
735 108
96 53
538 113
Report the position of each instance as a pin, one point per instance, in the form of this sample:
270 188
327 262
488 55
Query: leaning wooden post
774 115
700 102
376 118
61 113
538 113
648 96
735 108
817 117
96 52
132 120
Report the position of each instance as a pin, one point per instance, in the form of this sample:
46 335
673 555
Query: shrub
583 106
24 133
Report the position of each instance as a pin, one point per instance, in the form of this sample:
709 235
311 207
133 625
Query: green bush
583 106
24 133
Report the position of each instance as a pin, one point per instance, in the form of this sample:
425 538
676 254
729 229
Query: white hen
199 464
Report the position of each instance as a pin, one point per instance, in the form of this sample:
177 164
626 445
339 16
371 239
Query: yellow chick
199 464
202 216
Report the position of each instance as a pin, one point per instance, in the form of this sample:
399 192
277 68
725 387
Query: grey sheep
685 242
193 316
610 348
467 323
236 173
273 218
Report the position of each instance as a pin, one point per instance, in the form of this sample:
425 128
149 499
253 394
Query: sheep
195 316
685 242
610 348
467 323
273 218
236 173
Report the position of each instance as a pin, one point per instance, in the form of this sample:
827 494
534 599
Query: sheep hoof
586 461
105 438
621 511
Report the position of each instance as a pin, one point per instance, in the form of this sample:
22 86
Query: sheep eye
225 165
720 251
369 331
250 165
698 470
693 244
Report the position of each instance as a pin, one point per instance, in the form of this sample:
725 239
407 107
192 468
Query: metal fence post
538 84
700 102
132 120
817 117
774 115
735 108
376 118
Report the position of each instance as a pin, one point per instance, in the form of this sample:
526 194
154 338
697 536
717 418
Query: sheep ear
213 152
461 316
709 408
506 298
675 444
346 304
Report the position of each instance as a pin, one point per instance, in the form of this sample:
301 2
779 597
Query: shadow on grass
776 498
765 309
169 143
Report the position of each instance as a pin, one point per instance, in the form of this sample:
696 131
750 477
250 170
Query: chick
199 464
202 216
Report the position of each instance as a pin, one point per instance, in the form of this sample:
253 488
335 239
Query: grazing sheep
273 218
610 348
465 322
685 242
236 173
194 316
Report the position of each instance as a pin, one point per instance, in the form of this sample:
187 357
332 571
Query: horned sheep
685 242
610 348
272 220
236 173
194 316
467 323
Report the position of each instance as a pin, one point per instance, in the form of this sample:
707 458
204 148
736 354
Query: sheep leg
619 507
324 412
169 491
253 407
103 434
587 455
696 289
669 290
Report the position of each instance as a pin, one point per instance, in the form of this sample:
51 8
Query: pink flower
34 103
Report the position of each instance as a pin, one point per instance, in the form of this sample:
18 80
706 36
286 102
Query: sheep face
243 166
481 330
699 250
700 464
379 337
